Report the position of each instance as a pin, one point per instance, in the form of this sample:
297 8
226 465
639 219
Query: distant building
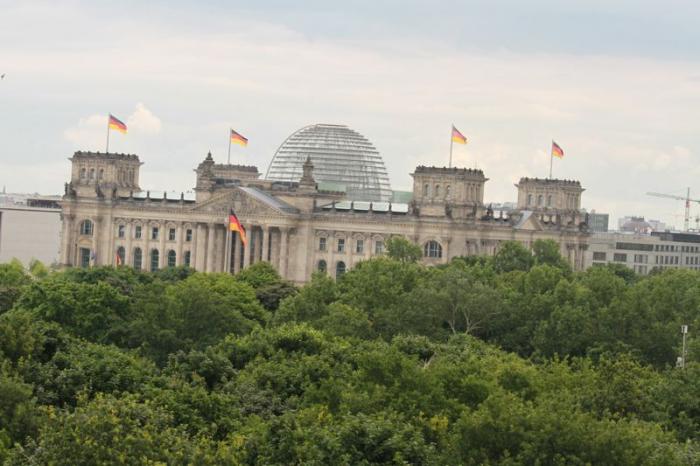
294 221
598 223
639 225
30 228
644 252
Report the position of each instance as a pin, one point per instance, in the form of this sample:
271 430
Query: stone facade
295 226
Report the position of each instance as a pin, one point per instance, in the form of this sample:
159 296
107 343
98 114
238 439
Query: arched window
529 199
339 269
121 253
138 258
426 189
83 173
86 228
447 191
154 259
92 173
549 200
539 200
432 249
322 267
101 174
437 190
172 256
186 257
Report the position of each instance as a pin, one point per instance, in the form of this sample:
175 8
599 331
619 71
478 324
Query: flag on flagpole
458 137
238 138
116 124
235 225
557 151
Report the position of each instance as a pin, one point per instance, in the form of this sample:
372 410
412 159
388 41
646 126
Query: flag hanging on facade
235 225
557 151
458 137
238 138
118 260
117 124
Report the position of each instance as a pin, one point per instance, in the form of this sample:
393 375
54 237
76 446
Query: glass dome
343 159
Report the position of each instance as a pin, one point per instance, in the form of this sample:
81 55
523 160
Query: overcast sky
615 83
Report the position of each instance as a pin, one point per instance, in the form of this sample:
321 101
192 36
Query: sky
615 83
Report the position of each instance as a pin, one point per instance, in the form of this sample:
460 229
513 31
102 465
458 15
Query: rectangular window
360 246
322 243
137 232
379 247
171 234
341 244
188 235
599 256
84 257
154 233
618 257
121 231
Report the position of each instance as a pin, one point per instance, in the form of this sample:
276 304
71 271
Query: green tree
547 251
512 255
13 279
401 249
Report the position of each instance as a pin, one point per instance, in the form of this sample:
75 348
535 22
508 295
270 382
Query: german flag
116 123
458 137
235 225
239 139
557 151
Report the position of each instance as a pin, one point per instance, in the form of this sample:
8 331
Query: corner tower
541 194
96 173
459 190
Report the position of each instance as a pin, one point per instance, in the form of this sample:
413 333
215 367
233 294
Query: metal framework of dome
341 157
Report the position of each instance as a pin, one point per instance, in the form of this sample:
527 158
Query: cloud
89 133
144 121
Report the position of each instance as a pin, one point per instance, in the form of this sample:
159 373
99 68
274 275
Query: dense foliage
507 360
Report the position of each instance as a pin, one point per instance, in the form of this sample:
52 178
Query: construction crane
687 200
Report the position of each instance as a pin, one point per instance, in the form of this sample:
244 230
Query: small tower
307 182
205 178
95 173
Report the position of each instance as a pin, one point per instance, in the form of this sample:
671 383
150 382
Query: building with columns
296 226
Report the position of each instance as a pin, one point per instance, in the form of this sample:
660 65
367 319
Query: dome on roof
342 159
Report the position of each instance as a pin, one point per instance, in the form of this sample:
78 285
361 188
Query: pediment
243 203
529 222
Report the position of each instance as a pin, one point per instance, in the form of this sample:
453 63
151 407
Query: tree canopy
511 359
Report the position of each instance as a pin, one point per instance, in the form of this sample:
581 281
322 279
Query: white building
643 253
30 228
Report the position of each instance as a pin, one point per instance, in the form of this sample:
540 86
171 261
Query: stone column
284 239
248 246
274 250
265 243
180 236
162 254
129 232
66 238
210 248
237 250
94 241
199 251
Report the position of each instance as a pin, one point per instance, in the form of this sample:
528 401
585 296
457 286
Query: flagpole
228 161
551 160
107 147
451 144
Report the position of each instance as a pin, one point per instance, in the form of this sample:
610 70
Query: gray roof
269 200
